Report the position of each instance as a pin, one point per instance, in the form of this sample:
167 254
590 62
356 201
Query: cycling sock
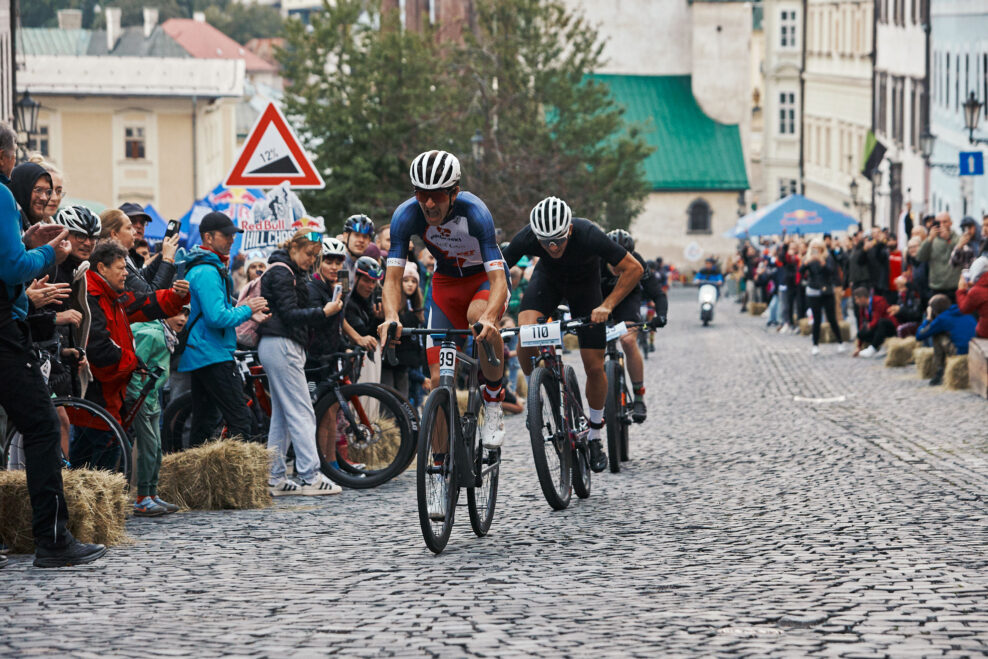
639 389
493 395
596 419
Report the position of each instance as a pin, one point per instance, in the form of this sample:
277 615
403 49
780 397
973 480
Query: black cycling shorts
628 310
583 295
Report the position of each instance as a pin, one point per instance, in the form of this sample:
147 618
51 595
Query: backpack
247 331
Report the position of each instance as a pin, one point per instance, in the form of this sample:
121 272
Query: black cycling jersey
586 247
649 287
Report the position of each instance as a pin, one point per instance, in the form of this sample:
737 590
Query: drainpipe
195 154
802 98
14 8
874 60
929 99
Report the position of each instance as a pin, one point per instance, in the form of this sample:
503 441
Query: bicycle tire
414 419
482 500
123 463
436 532
613 412
544 428
581 460
626 408
389 459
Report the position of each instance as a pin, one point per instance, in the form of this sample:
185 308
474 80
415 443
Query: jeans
943 347
292 419
876 336
511 344
217 393
820 304
147 431
773 310
27 402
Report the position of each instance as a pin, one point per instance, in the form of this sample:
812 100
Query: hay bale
521 386
571 342
900 351
225 474
757 308
98 505
924 362
805 326
955 373
827 334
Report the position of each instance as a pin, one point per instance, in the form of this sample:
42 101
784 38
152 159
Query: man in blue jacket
949 330
24 394
216 387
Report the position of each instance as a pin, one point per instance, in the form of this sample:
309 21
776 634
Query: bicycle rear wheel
550 445
481 499
613 413
574 416
87 417
372 435
435 471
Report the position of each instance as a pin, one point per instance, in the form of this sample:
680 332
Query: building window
787 29
39 141
699 217
787 186
787 113
134 143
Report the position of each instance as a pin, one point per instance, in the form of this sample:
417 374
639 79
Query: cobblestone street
776 504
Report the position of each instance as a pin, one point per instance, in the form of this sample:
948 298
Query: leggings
820 304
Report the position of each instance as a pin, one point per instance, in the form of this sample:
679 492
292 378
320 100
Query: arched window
699 217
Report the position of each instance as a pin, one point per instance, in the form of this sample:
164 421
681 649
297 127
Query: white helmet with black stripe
79 219
435 170
550 218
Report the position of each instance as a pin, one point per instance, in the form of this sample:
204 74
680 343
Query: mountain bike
450 455
556 422
619 403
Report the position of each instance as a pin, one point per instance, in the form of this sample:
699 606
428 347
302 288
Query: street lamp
26 118
477 146
972 113
926 143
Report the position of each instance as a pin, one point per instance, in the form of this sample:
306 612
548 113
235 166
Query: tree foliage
371 96
242 22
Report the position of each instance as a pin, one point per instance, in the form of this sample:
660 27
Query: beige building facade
783 25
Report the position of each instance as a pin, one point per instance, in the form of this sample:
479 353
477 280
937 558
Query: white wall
661 228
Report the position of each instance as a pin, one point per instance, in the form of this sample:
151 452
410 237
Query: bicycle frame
464 425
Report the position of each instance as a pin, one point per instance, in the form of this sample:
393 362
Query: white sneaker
285 487
868 352
319 487
783 329
840 347
435 497
492 432
815 351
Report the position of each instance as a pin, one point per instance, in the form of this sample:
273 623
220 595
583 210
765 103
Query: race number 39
547 334
447 361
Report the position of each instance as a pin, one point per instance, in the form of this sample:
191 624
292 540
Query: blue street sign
972 163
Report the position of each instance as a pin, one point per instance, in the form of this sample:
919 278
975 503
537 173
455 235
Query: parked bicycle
450 455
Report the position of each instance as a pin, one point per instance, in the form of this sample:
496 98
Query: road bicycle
450 455
619 403
556 422
371 427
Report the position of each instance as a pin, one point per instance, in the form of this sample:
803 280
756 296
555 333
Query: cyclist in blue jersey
470 284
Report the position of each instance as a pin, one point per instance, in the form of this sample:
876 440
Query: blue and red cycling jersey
464 245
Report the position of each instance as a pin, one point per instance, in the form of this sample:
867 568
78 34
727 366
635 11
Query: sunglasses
437 196
554 243
314 237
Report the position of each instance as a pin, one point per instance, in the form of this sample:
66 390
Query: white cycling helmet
435 170
551 218
79 219
333 247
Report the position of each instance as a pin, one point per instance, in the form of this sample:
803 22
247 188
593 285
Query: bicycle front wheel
613 413
550 445
435 471
481 499
627 401
98 440
574 416
369 438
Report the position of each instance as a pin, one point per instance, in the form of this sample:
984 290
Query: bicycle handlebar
446 333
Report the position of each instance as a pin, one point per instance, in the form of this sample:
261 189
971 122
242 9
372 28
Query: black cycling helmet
368 267
359 224
622 238
79 219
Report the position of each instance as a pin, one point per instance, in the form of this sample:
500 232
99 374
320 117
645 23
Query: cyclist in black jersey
570 250
629 310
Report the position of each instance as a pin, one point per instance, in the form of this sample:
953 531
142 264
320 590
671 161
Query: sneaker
840 347
284 488
492 432
74 553
937 379
169 507
868 352
319 487
435 497
784 328
598 458
639 413
815 351
148 507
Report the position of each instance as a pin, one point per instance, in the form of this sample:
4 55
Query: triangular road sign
271 155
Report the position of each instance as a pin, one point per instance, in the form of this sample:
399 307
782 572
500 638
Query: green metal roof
132 42
52 41
692 151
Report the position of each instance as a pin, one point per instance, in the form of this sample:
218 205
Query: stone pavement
776 505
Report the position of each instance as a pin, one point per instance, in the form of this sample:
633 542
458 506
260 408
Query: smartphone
337 291
174 226
966 274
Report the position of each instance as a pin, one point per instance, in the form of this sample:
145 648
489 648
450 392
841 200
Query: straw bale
805 326
900 351
757 308
955 373
225 474
924 362
98 504
571 342
827 335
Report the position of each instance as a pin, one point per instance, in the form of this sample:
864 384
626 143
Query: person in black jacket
819 271
157 275
410 352
281 350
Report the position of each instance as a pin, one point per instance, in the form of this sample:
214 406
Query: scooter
708 295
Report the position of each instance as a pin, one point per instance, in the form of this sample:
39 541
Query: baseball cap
217 221
135 212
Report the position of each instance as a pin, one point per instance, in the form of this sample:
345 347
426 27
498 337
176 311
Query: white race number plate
547 334
447 361
617 331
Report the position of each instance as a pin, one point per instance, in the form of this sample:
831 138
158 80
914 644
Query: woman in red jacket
972 297
111 348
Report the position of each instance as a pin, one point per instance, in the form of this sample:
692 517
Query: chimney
199 16
69 19
150 20
112 26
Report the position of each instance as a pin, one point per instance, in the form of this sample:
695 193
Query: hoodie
974 300
960 327
22 182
